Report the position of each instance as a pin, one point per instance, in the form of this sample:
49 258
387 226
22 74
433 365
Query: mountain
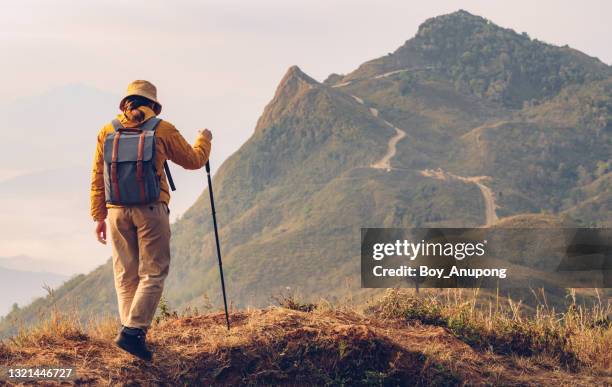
493 63
27 263
466 123
21 287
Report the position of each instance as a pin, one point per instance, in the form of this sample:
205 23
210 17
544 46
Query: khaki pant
141 259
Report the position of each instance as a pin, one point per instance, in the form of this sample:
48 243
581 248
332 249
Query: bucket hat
144 89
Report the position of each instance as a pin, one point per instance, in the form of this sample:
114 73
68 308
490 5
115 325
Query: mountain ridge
444 44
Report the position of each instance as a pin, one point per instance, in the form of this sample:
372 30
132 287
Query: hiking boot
132 340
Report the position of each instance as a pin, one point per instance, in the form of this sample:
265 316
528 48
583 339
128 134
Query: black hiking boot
132 340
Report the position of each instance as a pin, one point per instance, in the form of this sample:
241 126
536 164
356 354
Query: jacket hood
128 121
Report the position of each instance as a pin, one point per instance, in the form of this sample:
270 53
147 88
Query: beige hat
144 89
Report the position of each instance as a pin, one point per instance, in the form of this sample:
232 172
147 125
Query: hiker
129 185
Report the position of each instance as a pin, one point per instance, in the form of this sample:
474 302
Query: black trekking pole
214 216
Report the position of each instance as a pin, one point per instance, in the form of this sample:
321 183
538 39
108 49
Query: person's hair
131 105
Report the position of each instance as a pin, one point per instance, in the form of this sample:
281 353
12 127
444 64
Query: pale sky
223 59
216 65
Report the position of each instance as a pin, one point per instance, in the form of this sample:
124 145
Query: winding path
384 75
385 161
487 194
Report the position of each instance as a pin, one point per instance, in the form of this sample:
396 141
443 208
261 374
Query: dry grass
328 345
580 337
55 330
293 302
104 328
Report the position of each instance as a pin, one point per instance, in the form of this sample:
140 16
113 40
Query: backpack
130 177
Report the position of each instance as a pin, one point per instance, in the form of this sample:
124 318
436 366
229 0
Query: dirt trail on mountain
385 161
384 75
487 194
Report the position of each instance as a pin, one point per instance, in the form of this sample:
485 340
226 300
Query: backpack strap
151 124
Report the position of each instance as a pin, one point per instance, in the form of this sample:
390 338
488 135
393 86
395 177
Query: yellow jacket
169 145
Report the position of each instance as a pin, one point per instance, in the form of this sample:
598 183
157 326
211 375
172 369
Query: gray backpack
130 177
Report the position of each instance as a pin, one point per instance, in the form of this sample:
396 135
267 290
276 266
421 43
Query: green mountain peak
488 61
460 19
293 86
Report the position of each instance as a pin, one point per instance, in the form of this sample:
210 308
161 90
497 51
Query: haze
216 65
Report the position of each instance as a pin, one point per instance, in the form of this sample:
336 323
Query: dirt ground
282 346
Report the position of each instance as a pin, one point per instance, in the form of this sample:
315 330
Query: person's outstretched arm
179 151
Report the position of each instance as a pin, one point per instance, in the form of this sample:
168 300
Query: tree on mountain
603 167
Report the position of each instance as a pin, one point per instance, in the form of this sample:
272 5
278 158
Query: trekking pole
214 216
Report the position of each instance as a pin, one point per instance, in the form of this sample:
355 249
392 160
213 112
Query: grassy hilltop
400 339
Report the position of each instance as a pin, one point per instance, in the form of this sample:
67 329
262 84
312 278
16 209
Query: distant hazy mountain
26 263
465 123
22 287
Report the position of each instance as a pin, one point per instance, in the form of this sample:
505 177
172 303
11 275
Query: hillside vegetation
439 339
474 99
